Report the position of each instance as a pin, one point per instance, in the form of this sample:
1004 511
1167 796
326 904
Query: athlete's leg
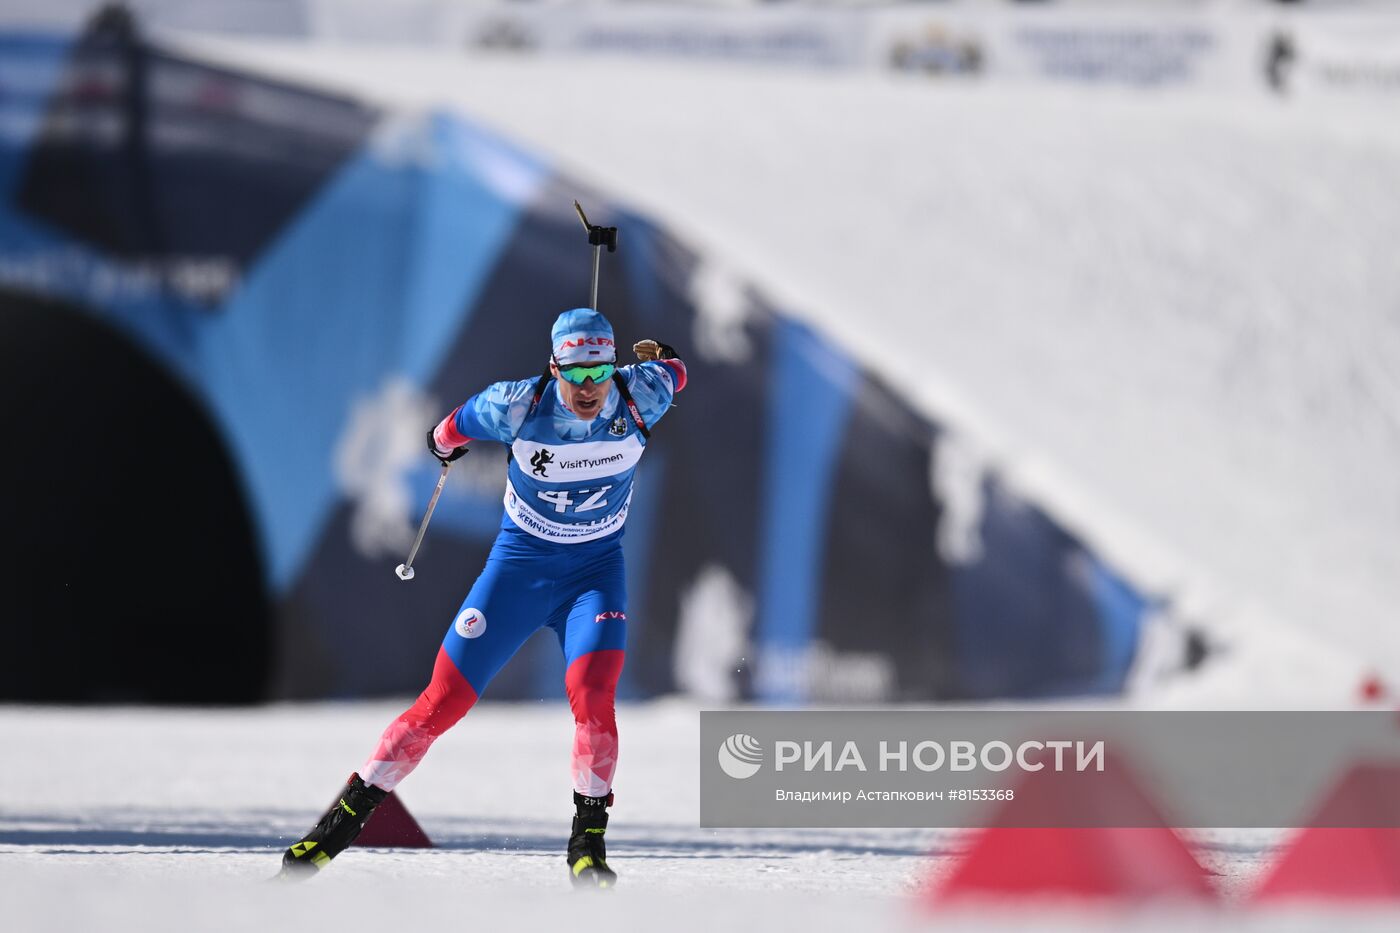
593 635
402 746
506 605
592 685
593 638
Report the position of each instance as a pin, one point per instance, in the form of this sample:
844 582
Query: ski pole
405 570
598 237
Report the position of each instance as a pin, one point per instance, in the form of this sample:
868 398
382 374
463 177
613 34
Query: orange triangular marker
1351 846
392 826
1076 835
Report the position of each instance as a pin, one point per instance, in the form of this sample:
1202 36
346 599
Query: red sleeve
677 369
446 435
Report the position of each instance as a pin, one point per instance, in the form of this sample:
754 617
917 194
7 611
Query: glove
651 350
445 458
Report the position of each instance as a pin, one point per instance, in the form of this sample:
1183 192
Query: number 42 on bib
562 500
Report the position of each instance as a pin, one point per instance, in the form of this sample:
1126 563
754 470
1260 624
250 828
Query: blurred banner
232 307
1353 54
1208 45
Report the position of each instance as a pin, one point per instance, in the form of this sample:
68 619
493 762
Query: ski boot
335 831
588 866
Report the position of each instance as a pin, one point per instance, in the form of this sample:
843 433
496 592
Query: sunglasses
578 374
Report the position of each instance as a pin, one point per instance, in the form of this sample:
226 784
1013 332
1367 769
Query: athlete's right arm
495 414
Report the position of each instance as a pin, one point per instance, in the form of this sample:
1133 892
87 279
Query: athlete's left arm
654 384
649 350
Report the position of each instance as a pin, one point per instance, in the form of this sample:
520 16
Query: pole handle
597 236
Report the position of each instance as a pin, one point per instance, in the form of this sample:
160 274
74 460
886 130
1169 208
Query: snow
1170 317
174 818
143 819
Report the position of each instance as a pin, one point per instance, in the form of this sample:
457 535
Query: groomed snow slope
1174 317
147 820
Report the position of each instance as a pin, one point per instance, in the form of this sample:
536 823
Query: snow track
150 820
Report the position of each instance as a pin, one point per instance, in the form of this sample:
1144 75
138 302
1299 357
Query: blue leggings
579 591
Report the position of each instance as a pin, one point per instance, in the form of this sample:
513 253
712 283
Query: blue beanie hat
582 335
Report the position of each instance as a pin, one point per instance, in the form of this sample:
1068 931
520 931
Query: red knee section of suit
445 701
591 682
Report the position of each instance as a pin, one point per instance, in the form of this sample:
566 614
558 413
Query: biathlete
576 435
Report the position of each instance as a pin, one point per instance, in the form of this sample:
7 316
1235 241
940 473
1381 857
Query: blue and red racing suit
556 562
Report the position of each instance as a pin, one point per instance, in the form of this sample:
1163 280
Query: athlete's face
583 400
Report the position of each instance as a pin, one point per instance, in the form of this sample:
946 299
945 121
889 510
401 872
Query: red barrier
392 826
1350 848
1023 854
